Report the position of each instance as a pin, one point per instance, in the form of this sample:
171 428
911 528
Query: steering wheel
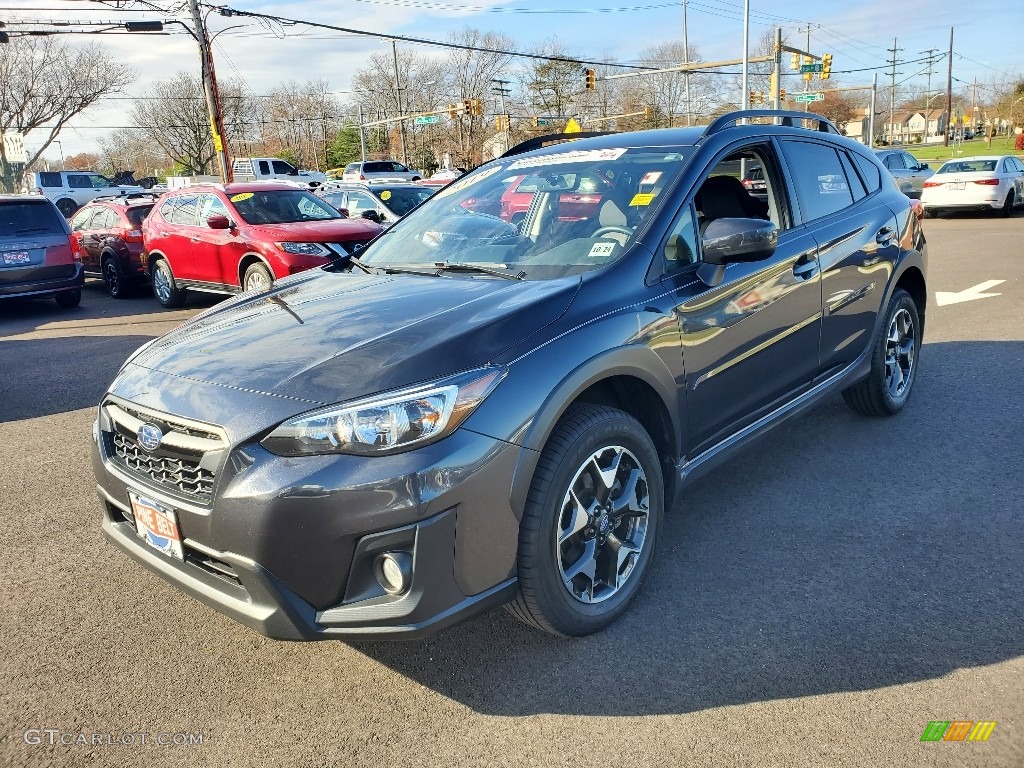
613 229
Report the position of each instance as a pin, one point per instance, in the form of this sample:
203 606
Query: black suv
473 412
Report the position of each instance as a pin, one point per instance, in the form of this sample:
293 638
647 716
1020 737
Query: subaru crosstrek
469 413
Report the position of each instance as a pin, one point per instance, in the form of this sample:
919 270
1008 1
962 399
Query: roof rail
785 117
552 138
127 196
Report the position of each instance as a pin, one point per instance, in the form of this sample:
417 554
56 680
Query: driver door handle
805 268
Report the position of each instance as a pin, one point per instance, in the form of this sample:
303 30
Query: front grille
182 474
186 461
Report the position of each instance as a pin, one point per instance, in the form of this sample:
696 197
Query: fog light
394 571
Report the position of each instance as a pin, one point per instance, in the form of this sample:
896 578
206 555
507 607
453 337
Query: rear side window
280 166
856 185
79 181
186 210
80 220
821 184
377 168
264 167
29 218
868 172
50 179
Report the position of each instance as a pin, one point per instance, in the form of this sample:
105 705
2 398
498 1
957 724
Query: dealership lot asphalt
816 602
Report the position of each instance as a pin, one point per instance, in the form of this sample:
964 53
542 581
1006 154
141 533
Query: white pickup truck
271 168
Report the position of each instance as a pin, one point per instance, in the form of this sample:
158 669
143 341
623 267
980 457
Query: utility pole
745 100
871 117
777 84
931 60
686 73
949 92
807 106
210 90
362 136
501 90
398 99
892 87
974 103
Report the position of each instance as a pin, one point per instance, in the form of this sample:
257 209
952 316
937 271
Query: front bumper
286 546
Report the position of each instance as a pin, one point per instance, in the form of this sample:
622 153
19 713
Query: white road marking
943 298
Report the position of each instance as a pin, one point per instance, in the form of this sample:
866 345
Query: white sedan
990 183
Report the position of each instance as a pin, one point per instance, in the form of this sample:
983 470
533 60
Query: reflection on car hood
325 231
327 337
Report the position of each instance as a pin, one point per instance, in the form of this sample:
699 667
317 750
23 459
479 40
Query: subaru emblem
149 436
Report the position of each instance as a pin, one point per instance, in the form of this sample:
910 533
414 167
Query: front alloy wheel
900 348
603 525
590 522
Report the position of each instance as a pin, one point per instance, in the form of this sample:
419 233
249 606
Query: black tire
929 213
875 395
257 277
67 207
544 599
416 178
117 284
165 290
1008 205
69 299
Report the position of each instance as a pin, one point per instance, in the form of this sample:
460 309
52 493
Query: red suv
107 235
579 201
226 238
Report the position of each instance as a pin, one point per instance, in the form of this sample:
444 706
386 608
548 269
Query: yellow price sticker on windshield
241 196
385 195
642 199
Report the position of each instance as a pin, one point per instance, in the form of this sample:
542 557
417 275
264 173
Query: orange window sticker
241 196
642 199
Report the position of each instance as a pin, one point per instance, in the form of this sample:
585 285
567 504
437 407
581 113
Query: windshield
281 206
539 217
401 200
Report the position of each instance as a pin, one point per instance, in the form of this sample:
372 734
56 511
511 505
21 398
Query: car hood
327 337
326 231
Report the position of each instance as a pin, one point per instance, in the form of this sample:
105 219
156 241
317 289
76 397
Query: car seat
725 197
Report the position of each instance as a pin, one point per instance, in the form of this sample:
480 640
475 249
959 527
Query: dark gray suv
469 412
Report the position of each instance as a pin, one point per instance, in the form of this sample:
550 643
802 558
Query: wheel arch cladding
247 261
616 380
912 281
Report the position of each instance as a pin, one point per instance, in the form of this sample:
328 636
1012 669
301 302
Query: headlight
387 423
304 249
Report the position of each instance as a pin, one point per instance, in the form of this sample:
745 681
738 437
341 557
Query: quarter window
856 185
868 172
821 185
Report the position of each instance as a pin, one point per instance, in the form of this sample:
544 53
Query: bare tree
44 83
173 116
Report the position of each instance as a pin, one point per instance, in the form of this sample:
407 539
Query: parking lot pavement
816 602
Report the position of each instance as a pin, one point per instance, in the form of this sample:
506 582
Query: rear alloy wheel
893 362
117 286
167 293
67 207
69 299
590 523
257 279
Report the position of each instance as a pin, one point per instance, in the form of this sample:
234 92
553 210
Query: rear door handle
197 239
885 235
805 268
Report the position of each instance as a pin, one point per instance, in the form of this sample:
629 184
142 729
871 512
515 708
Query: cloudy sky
858 34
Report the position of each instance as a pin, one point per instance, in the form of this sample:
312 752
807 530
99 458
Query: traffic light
477 107
826 66
794 61
647 113
453 111
536 122
752 98
591 80
502 122
782 95
467 106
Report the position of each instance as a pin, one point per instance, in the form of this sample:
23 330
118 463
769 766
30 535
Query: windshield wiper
455 266
367 269
31 229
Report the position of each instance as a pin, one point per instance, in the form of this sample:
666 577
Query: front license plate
157 525
958 185
16 257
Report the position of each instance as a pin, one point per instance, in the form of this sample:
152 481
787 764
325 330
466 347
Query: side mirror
923 167
293 172
217 221
371 215
729 241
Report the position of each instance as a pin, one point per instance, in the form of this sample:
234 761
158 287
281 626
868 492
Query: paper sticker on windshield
468 181
644 199
241 196
385 195
651 177
600 249
577 156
